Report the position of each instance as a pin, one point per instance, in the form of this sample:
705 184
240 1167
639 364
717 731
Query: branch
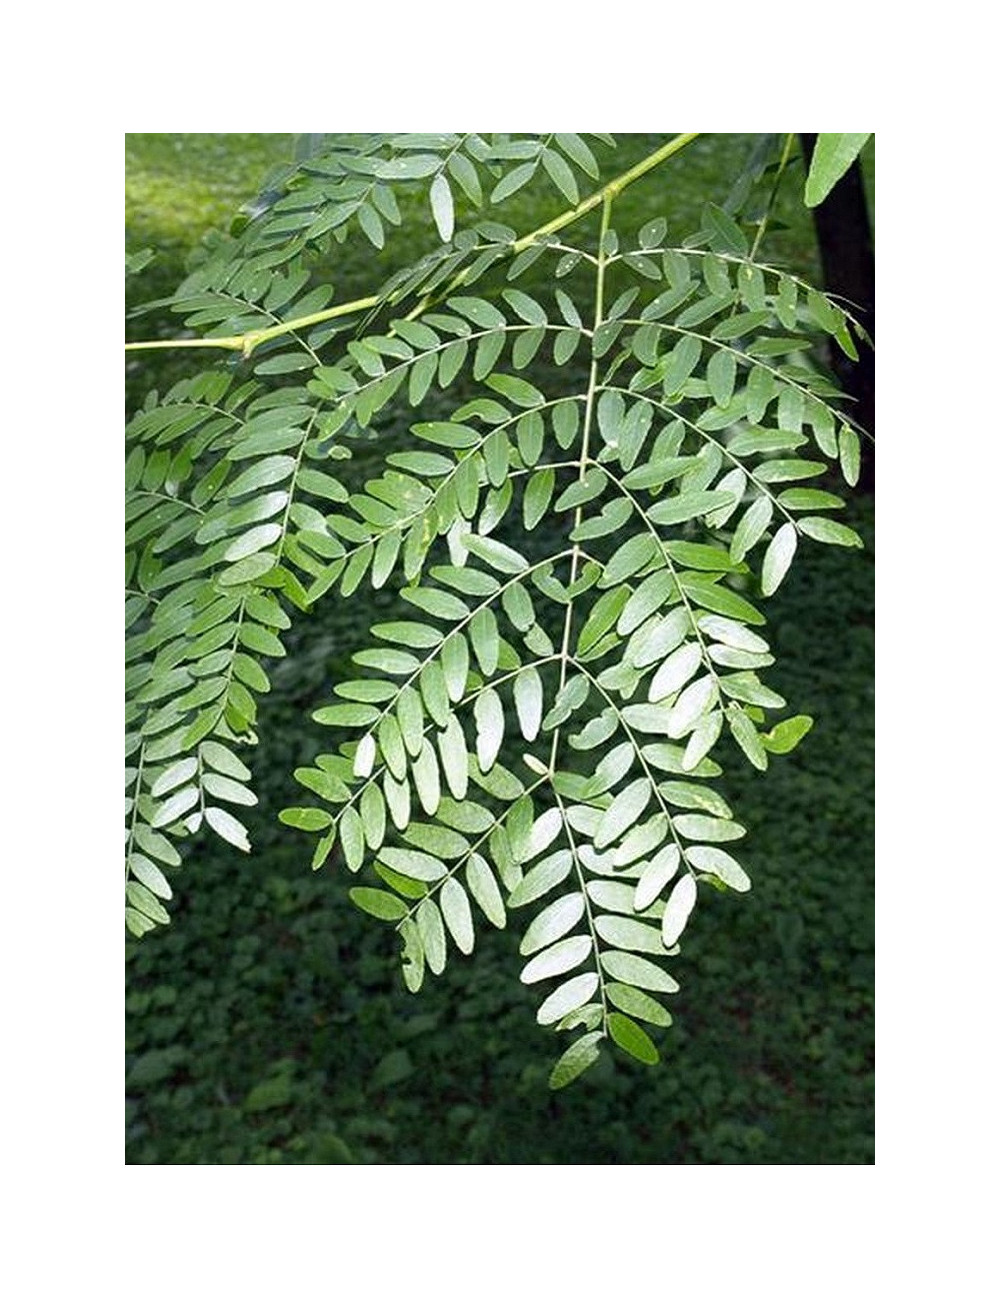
246 343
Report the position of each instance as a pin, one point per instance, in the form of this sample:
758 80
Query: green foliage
582 535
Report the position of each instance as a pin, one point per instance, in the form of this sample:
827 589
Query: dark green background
268 1023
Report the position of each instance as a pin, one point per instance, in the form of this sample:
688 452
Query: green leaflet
328 785
832 157
412 957
641 840
583 1053
442 206
745 735
537 496
561 957
632 1039
222 787
544 831
638 972
688 505
156 845
469 817
489 728
145 902
430 928
653 592
732 633
719 863
255 539
661 469
496 554
725 235
519 824
596 731
226 825
635 1003
352 838
379 903
274 469
150 875
410 717
612 519
691 705
552 923
624 811
679 906
828 530
612 895
586 489
783 471
710 595
570 698
655 875
695 826
248 569
345 715
484 889
175 775
373 816
364 756
397 798
809 499
612 767
427 778
783 738
633 936
567 997
528 702
849 445
778 558
437 840
455 666
762 441
675 671
455 909
542 877
751 528
603 616
412 863
407 888
656 638
454 758
749 688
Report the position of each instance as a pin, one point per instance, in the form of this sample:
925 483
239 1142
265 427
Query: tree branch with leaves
618 470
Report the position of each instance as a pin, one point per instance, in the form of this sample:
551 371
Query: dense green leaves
579 551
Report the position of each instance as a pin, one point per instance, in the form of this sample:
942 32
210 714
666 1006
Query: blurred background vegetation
268 1023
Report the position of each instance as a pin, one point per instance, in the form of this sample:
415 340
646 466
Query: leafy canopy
532 737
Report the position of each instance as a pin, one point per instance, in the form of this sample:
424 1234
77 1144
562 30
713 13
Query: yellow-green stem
588 416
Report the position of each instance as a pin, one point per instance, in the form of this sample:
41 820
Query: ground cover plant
544 661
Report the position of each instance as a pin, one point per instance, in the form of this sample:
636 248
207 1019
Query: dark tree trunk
844 235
